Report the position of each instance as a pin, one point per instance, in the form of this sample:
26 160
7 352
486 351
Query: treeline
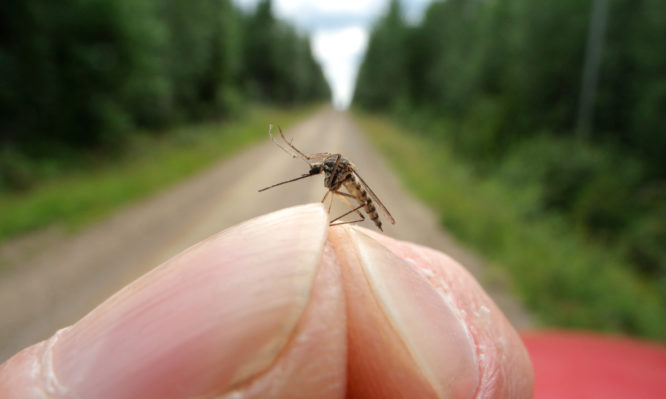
566 98
81 74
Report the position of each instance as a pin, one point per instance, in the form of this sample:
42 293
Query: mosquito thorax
329 163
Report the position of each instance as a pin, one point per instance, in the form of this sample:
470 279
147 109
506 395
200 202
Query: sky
338 31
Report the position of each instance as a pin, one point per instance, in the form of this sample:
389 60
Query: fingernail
205 321
430 331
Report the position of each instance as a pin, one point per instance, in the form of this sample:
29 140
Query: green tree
381 82
84 73
198 59
73 71
278 64
259 52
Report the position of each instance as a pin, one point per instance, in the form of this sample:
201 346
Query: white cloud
344 6
340 51
311 14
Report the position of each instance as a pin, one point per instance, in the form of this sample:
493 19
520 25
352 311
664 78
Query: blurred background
533 133
557 110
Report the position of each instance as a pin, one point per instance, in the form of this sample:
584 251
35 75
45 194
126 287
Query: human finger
419 325
255 311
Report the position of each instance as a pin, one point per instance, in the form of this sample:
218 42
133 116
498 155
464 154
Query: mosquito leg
332 181
347 213
346 222
342 197
335 222
335 168
342 193
337 161
323 201
330 205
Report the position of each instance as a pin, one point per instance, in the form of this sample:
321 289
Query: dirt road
57 278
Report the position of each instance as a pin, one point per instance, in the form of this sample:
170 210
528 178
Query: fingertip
313 363
411 288
404 339
504 363
206 321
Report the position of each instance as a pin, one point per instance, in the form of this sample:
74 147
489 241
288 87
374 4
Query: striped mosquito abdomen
355 188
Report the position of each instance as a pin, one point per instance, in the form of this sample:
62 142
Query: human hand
282 306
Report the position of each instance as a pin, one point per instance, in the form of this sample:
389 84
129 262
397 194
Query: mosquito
339 172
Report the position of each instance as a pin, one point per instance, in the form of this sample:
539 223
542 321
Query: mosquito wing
374 196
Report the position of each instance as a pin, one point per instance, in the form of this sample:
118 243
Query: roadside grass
150 163
564 280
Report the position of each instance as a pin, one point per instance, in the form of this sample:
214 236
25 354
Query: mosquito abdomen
355 189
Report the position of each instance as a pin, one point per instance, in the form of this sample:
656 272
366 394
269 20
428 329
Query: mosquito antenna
270 133
295 151
289 181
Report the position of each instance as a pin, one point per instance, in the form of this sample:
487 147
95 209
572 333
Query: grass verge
151 162
562 279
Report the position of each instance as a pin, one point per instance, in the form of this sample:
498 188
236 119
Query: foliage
565 280
383 80
528 58
85 74
71 69
501 81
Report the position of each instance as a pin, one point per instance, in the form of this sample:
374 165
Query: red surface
584 365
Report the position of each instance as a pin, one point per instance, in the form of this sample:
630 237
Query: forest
565 99
84 75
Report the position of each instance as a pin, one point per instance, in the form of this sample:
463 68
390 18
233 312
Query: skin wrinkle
41 368
387 317
438 282
253 387
443 378
51 383
290 337
490 337
39 365
446 293
488 374
294 327
353 301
